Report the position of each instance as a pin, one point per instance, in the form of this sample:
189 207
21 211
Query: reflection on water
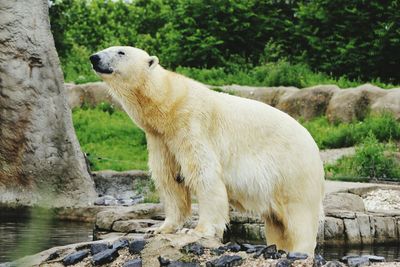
27 233
390 252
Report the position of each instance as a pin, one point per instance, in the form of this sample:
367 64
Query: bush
383 126
372 160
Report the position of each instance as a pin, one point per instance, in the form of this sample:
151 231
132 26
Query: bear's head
123 65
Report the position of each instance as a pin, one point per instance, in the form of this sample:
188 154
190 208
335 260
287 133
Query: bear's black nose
94 59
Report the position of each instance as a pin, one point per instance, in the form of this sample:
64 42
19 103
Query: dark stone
233 247
183 264
373 258
271 252
226 261
194 248
75 257
284 263
282 252
260 246
163 261
122 243
218 251
358 261
333 264
251 250
258 253
297 256
246 247
318 261
136 246
133 263
105 256
98 247
53 256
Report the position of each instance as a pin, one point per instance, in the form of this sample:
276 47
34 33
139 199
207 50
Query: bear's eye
121 53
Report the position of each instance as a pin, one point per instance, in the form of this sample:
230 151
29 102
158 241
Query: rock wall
337 104
40 158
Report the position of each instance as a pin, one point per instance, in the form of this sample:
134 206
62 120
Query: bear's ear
153 61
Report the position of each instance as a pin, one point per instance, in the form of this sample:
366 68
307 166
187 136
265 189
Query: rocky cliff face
40 158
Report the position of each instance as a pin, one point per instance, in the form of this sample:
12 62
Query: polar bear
223 149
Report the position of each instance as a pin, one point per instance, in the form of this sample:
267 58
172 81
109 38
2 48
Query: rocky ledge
337 104
180 250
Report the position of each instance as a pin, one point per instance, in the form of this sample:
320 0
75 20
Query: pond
22 234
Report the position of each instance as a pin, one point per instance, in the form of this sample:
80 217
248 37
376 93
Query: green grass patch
372 160
329 135
110 138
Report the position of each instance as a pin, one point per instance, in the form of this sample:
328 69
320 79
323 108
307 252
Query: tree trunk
40 158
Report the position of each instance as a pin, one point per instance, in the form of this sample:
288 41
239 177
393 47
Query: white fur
228 149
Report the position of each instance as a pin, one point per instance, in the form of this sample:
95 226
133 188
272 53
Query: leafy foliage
373 160
358 39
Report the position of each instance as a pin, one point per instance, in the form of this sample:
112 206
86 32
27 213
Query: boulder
41 160
390 102
343 201
308 103
334 230
352 231
347 105
385 229
90 94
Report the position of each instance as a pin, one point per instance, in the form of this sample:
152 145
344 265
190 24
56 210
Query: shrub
372 160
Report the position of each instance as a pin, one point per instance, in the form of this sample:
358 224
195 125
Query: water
29 232
26 232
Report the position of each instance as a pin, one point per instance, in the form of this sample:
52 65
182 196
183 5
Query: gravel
382 199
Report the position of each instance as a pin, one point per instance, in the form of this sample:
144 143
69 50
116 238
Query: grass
110 139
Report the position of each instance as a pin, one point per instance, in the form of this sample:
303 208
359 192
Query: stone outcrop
343 105
40 158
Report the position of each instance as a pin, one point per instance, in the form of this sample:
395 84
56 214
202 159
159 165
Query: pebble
233 247
373 258
194 248
136 246
53 256
133 263
225 261
297 256
105 256
163 261
75 257
284 263
98 247
183 264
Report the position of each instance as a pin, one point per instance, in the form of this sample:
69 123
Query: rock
233 247
333 264
53 256
343 201
183 264
352 231
75 257
226 261
388 103
135 225
246 247
296 256
122 243
354 104
106 256
218 251
271 252
333 230
385 229
133 263
309 102
91 94
373 258
284 263
194 248
98 247
358 261
106 201
318 261
163 261
365 227
41 160
136 246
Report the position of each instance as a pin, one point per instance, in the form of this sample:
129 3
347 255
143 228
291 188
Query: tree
40 158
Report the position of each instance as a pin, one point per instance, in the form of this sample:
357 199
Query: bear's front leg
174 195
202 171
